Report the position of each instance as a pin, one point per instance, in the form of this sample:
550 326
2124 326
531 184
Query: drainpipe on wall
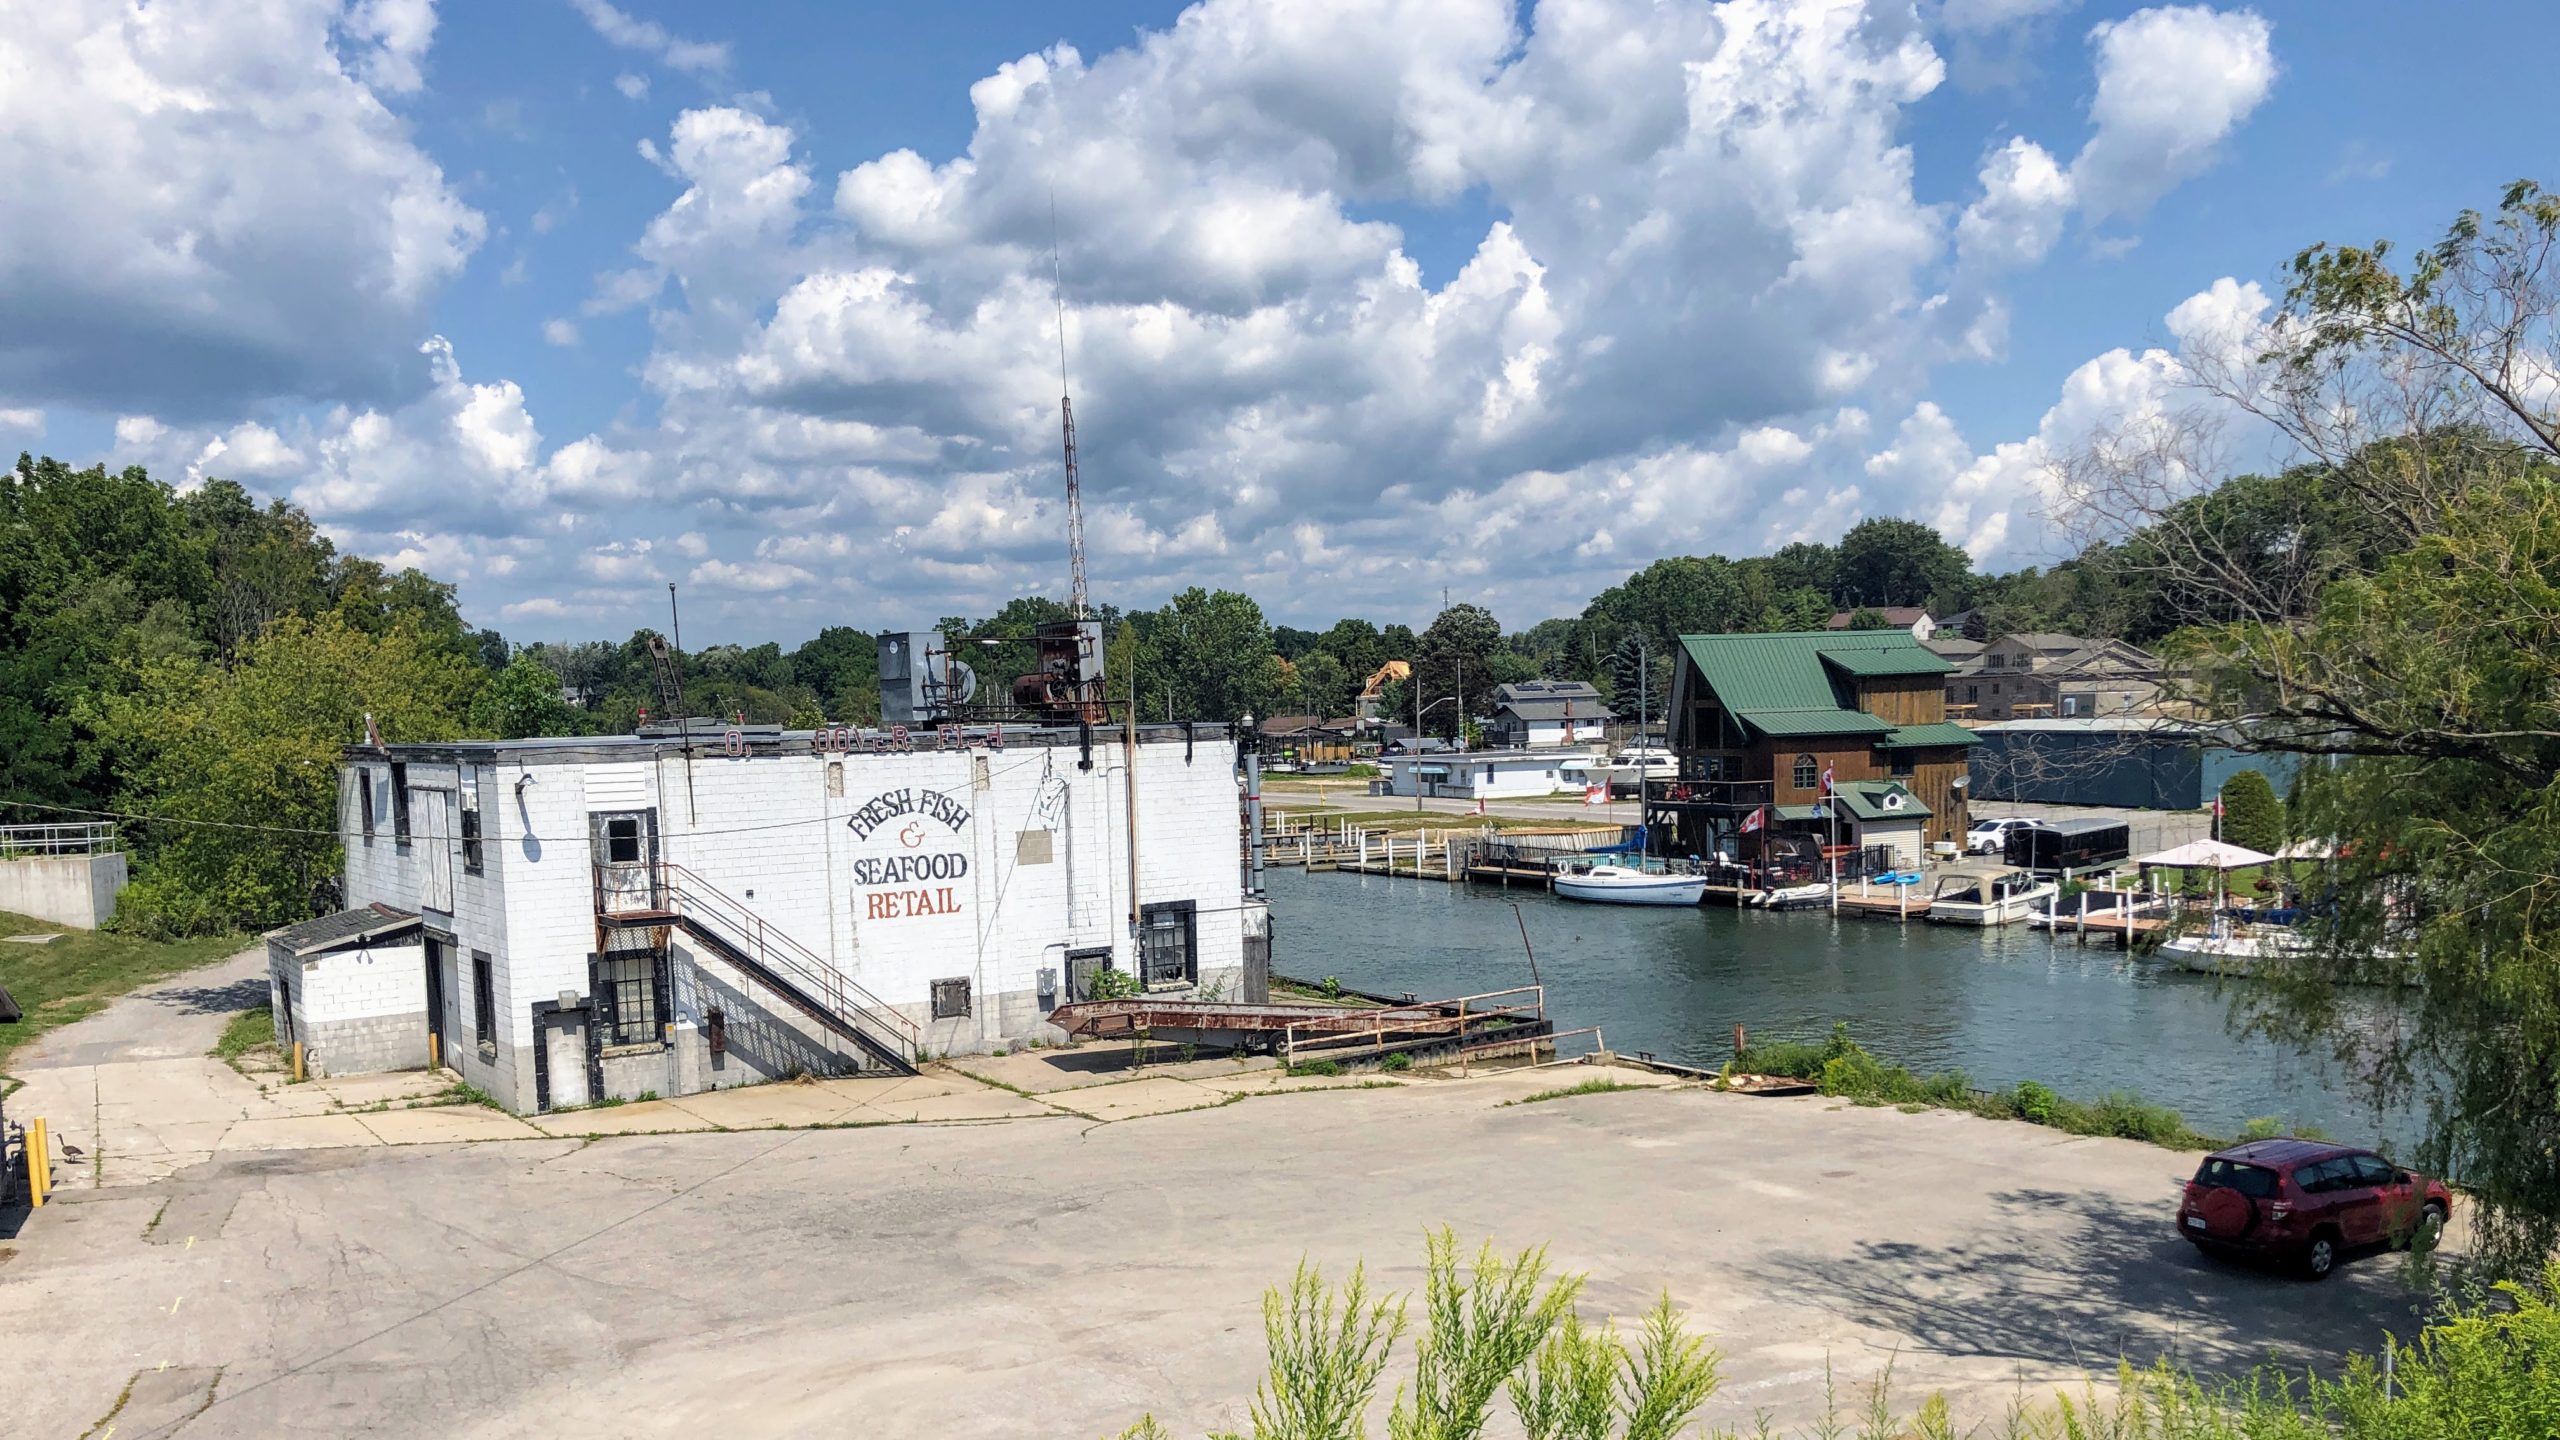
1253 817
1129 792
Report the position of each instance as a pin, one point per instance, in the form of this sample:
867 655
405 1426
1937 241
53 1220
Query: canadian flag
2217 807
1595 794
1826 779
1752 821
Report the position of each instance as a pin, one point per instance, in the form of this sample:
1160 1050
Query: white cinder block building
598 917
1486 774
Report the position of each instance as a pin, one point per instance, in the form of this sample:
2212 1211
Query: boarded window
400 803
950 999
1032 847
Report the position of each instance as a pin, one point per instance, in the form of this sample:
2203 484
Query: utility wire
147 819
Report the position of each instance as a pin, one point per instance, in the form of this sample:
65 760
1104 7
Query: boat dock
1886 902
1520 858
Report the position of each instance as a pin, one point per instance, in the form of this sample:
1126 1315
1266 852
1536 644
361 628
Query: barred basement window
1167 950
950 999
472 852
630 991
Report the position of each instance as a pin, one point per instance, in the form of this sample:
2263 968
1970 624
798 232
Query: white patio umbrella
2214 855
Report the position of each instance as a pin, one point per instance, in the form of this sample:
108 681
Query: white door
435 849
565 1057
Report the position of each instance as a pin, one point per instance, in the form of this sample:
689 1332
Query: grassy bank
1841 1067
78 974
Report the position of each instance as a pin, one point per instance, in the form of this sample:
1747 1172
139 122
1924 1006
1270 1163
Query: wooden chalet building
1756 719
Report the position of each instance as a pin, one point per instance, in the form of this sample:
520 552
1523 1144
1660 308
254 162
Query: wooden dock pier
1892 902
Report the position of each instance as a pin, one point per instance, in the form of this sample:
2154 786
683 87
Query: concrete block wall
355 1011
387 871
772 833
367 1047
77 891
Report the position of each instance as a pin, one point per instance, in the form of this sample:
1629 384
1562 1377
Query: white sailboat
1627 885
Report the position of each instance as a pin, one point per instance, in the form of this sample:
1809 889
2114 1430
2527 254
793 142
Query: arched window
1808 772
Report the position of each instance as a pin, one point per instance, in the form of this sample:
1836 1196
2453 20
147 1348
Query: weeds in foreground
1596 1085
466 1093
1499 1326
245 1032
2484 1372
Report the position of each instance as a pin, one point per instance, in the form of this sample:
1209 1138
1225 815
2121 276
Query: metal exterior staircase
662 893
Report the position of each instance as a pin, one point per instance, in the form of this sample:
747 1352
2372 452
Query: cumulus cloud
2000 502
756 576
1711 290
209 205
633 87
694 57
25 420
2172 84
2026 196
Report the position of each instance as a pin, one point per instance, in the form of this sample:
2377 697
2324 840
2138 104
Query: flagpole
1831 812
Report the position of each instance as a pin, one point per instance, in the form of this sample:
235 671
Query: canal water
2002 1005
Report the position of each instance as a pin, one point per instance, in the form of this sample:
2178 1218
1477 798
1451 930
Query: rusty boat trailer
1502 1022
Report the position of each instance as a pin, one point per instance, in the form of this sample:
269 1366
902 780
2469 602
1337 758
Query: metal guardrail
85 837
672 889
1466 1018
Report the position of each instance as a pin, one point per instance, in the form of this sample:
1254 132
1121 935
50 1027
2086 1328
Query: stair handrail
691 893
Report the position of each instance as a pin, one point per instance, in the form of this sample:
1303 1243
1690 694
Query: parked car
1991 837
2306 1203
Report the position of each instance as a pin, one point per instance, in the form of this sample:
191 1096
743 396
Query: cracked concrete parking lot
1043 1256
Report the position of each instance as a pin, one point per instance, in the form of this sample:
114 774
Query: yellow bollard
39 1161
297 1062
435 1055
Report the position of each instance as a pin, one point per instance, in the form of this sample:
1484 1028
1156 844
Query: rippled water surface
2002 1005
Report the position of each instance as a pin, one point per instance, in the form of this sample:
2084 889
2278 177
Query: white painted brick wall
768 831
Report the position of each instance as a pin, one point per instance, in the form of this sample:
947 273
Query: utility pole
1417 741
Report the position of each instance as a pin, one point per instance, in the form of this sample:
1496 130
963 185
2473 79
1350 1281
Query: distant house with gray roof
1532 714
2040 674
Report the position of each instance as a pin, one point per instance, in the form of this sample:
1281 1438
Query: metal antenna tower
1067 422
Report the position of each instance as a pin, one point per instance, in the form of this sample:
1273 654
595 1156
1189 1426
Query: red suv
2307 1202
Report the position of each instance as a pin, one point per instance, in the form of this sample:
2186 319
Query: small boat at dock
2002 899
1626 885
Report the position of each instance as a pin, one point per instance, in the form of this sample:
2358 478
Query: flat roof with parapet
768 740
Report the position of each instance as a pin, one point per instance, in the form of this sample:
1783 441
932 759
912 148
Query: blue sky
563 301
